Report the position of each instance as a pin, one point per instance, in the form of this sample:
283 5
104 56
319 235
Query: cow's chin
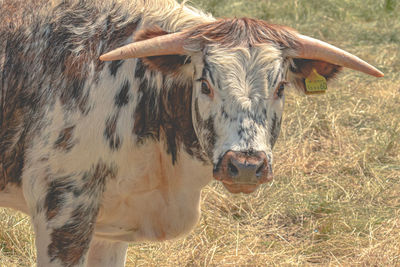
240 188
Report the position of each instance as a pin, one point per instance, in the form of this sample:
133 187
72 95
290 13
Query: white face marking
243 108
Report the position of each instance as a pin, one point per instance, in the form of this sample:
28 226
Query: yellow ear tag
315 83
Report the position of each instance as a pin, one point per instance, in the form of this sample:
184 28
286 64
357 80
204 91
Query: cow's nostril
242 169
233 171
260 170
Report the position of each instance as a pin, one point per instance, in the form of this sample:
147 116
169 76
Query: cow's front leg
104 253
64 208
64 241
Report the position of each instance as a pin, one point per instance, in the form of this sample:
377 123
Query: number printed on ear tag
315 83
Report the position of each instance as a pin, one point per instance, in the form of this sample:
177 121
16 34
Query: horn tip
379 74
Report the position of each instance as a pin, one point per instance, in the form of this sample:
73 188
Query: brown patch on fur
70 242
167 114
98 175
149 33
51 213
169 64
64 140
75 63
12 162
14 102
242 32
54 198
303 68
13 12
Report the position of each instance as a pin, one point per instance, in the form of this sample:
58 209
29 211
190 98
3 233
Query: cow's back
14 15
49 52
20 86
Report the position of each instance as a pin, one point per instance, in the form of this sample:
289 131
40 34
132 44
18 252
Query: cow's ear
300 69
169 64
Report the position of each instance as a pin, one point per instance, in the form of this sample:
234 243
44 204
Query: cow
115 114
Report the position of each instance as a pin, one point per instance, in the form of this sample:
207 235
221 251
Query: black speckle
122 98
110 133
65 141
114 66
140 69
277 76
224 114
71 95
77 87
55 195
275 129
240 132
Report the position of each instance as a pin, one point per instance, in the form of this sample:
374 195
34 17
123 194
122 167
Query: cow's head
240 68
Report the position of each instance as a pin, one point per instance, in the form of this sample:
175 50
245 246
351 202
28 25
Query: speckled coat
101 154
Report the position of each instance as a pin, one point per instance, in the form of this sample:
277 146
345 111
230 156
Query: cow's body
77 134
101 154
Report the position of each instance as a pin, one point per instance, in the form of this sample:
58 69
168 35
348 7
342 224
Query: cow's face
237 107
237 98
239 69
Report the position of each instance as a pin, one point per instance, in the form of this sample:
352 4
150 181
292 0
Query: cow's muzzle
243 172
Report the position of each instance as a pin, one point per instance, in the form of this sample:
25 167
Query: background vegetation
336 195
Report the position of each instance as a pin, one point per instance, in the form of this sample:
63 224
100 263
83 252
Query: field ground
336 195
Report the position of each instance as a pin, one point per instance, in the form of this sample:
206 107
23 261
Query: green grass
336 195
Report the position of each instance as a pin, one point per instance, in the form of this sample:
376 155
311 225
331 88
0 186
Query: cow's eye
280 89
205 87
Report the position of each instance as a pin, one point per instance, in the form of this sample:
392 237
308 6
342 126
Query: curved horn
311 48
170 44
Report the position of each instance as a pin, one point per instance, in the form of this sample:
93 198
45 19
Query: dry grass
336 195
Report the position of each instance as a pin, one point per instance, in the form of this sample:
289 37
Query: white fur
243 89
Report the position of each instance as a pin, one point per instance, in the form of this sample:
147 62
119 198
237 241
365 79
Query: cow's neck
163 113
157 197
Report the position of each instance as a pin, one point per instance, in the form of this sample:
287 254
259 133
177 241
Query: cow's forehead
244 68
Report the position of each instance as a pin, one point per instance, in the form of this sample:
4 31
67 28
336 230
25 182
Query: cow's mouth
240 188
